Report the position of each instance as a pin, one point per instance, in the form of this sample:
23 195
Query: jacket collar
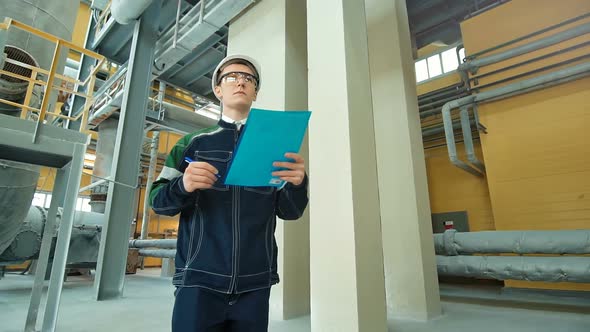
229 123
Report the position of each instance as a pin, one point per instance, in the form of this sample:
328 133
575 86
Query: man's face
237 88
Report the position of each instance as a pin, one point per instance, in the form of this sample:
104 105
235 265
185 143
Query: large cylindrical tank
84 241
56 17
17 187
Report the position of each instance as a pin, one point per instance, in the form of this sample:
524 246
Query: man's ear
217 92
255 95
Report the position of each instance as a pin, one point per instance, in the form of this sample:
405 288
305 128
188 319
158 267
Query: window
421 70
450 60
438 64
434 68
47 201
44 200
38 199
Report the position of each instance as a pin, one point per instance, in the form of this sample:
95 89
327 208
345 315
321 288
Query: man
226 258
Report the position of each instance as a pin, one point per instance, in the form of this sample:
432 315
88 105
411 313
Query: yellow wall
537 147
453 189
47 178
450 188
438 83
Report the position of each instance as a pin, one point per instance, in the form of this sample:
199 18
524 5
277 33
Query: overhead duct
127 11
198 24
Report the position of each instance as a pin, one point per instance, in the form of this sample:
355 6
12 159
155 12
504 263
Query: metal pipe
468 139
94 184
543 81
440 101
440 128
454 243
538 32
145 220
160 253
176 24
474 65
531 72
548 269
535 59
162 244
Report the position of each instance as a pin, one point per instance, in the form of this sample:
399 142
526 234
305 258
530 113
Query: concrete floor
148 300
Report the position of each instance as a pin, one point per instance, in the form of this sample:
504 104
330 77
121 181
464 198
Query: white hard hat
233 57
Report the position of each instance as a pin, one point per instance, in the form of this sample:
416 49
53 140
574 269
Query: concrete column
347 281
274 33
410 266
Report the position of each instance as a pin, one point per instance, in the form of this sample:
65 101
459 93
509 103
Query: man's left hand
295 171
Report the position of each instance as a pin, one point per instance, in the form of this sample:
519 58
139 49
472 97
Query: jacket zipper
235 215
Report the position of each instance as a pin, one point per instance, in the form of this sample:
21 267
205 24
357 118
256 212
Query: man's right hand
199 175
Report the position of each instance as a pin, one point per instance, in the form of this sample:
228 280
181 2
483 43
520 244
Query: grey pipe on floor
454 243
548 269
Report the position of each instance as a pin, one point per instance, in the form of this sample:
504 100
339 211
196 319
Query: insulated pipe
468 140
145 220
160 253
125 12
574 32
162 244
453 243
548 269
539 82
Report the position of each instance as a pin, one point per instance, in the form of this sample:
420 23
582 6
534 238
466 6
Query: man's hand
295 171
199 175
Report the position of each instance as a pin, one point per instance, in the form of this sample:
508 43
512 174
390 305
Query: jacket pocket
218 159
260 190
196 237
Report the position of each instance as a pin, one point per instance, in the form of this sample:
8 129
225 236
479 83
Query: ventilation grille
17 54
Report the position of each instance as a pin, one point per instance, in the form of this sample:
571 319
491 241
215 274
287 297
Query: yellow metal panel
537 147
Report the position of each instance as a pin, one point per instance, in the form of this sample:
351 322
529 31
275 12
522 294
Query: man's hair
239 62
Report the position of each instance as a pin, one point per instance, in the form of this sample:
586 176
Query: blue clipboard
267 136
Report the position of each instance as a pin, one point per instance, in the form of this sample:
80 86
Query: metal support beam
110 271
86 64
63 239
59 189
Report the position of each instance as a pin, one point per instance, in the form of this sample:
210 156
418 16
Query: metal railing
52 76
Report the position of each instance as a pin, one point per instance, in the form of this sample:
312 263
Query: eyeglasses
232 78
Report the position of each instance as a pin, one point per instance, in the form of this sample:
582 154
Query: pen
189 160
